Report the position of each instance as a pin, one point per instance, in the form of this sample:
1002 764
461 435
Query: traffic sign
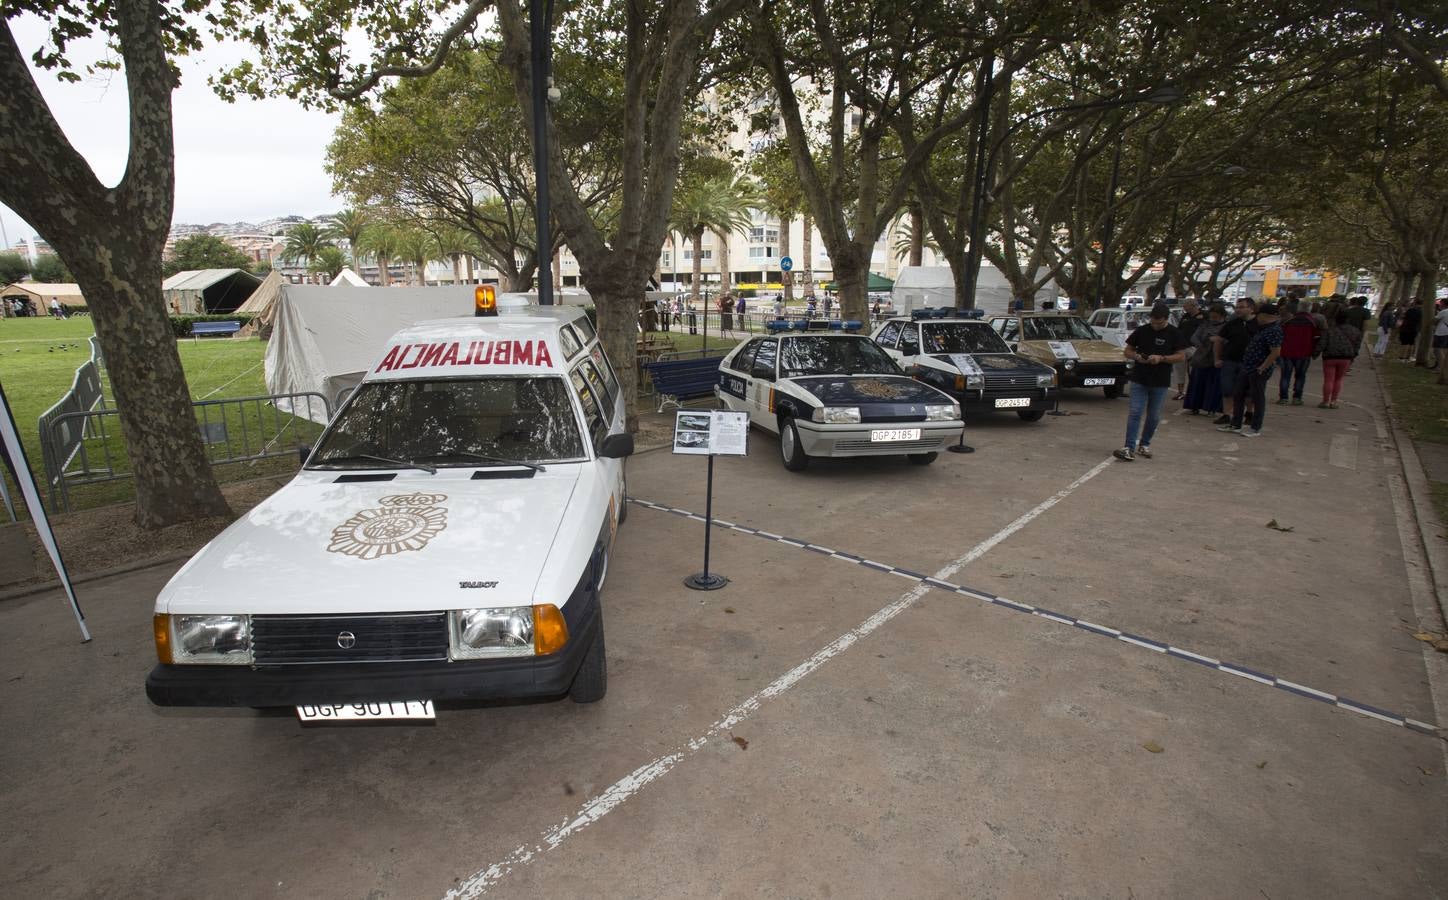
785 263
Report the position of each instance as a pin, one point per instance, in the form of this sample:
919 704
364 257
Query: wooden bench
231 326
677 380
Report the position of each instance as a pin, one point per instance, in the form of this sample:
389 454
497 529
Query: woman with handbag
1339 348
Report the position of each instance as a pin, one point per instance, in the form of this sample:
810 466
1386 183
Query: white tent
921 286
348 277
324 338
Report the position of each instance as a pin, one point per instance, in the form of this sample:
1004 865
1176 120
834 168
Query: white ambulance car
447 538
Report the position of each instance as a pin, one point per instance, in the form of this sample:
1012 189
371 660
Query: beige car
1063 340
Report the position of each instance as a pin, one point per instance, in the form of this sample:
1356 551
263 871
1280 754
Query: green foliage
13 267
348 225
305 243
205 251
50 270
330 260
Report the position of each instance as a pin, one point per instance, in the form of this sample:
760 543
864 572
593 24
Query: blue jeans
1294 372
1148 400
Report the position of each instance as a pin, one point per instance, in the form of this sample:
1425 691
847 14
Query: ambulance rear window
453 422
571 346
585 329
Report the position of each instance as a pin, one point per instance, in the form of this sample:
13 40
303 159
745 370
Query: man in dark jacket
1191 318
1300 336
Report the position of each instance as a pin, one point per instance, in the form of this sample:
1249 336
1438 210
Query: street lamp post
540 14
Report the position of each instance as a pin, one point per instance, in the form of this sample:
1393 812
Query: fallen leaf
568 789
1153 747
1262 764
743 744
1425 771
1426 636
1005 575
1275 527
729 609
1441 646
1209 547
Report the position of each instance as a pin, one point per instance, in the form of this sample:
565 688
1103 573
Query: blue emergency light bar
945 312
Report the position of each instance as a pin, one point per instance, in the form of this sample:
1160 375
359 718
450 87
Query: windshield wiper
404 463
493 459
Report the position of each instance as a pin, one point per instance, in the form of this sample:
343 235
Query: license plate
384 709
1098 382
895 434
1009 402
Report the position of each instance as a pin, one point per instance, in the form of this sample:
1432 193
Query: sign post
711 433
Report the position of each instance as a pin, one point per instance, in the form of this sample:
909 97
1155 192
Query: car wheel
591 682
923 459
1112 392
1030 415
790 451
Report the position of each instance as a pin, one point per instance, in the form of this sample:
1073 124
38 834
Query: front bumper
978 402
854 439
1076 377
513 678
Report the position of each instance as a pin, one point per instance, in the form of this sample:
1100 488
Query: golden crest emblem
403 522
882 390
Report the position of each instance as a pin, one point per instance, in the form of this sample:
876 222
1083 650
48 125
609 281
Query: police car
447 538
834 394
966 358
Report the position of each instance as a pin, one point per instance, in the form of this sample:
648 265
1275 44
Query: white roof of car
520 340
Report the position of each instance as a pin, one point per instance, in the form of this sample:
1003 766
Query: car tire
1030 415
1112 392
791 453
591 681
923 459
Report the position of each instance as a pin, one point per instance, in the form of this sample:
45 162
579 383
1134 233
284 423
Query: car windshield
834 356
1056 328
963 337
453 422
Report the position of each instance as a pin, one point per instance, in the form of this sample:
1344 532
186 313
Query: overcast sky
245 161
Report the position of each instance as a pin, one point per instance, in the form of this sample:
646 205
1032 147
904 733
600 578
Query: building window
668 259
760 234
703 254
761 253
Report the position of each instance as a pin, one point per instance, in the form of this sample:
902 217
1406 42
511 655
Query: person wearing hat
1154 348
1257 363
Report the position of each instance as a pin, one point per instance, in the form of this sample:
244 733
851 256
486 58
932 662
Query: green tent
876 283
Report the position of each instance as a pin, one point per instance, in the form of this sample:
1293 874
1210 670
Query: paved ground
822 728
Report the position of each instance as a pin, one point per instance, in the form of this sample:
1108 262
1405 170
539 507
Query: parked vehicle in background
1064 341
1116 325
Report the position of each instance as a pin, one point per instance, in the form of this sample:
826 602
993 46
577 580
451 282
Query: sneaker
1143 451
1251 432
1282 402
1124 454
1333 405
1296 401
1324 405
1223 419
1230 428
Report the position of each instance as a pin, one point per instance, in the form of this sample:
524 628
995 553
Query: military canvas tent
207 291
324 338
348 277
261 305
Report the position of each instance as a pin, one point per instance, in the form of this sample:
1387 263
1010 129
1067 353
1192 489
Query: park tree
773 171
51 269
13 268
204 251
304 243
329 262
347 225
657 48
112 237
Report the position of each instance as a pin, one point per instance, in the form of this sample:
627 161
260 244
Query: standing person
1155 347
739 309
1408 324
1358 313
661 310
1257 363
1339 347
726 312
1235 335
1387 321
1191 320
1300 337
1440 336
1204 389
779 306
679 311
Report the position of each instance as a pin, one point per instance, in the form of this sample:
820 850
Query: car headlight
1046 380
505 631
206 640
1131 364
1070 364
836 415
942 412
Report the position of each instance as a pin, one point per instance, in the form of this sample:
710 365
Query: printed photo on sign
693 421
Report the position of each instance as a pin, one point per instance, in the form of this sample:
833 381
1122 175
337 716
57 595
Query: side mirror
617 446
765 372
303 452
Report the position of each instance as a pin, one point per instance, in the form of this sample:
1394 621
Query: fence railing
234 429
62 428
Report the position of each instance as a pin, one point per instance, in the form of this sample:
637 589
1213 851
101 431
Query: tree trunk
457 268
917 235
723 262
852 278
618 319
558 269
787 278
808 255
1427 294
697 238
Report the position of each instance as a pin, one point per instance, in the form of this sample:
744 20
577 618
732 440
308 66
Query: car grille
403 637
1000 381
920 446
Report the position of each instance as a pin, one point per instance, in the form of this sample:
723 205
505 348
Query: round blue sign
785 263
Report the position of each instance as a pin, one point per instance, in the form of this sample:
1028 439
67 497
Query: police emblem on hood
403 522
879 390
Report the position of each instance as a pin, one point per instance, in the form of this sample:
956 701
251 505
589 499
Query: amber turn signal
550 632
161 623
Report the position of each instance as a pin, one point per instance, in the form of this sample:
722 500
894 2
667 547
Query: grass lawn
1421 405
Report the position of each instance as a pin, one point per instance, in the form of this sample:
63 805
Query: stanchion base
701 581
960 448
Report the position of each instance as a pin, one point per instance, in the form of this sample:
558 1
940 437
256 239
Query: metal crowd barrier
235 430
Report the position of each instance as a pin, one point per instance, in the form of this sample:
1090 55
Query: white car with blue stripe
833 394
447 538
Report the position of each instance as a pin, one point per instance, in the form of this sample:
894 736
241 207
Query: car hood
866 390
318 546
1005 363
1088 351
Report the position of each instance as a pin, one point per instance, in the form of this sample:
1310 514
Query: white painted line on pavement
479 882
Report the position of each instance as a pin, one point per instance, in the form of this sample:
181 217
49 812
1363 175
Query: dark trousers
1251 384
1294 372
